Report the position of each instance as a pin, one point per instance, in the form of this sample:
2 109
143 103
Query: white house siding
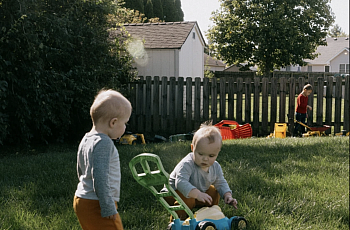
191 56
161 62
342 58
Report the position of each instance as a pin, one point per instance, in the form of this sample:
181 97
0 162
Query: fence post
148 112
319 120
164 107
273 111
206 99
133 100
239 100
256 105
197 102
338 98
248 100
282 112
265 104
329 92
156 123
189 104
291 110
139 106
214 100
310 118
231 98
346 105
180 124
222 98
172 86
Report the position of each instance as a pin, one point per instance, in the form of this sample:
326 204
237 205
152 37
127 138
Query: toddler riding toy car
204 219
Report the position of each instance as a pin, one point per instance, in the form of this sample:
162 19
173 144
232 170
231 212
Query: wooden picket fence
169 105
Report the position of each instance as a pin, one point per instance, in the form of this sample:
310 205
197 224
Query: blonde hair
307 87
207 130
109 104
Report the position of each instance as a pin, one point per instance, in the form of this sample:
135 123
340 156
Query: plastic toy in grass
204 219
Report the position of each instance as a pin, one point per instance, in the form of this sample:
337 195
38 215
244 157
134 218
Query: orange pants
192 202
89 215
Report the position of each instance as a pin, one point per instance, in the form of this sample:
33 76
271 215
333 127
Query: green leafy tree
336 31
269 33
179 12
135 5
158 9
169 10
54 57
149 9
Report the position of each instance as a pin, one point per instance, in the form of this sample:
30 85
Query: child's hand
113 217
205 198
229 200
309 107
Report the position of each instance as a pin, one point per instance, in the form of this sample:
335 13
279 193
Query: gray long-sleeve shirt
98 170
187 176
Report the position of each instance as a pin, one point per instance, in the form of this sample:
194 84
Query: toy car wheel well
206 225
238 223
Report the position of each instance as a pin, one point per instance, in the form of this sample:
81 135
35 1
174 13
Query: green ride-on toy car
204 219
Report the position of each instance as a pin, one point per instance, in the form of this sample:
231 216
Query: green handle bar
149 179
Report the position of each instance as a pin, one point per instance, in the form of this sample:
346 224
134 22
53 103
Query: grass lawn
292 183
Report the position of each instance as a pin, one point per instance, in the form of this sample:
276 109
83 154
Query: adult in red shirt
301 109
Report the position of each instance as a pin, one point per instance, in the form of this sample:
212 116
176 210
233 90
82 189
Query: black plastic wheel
169 226
239 223
134 143
206 225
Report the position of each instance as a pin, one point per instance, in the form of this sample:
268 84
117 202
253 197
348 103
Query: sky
200 11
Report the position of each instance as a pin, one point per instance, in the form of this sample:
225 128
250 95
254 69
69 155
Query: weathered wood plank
282 109
148 104
180 124
164 103
265 105
222 98
273 111
291 109
139 105
319 109
248 100
329 91
214 100
172 86
256 105
310 113
239 100
197 102
189 125
231 99
338 98
206 93
347 105
156 120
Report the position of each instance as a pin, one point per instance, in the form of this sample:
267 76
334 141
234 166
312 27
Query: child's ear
113 121
192 147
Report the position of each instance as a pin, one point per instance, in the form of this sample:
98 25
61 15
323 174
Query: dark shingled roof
162 35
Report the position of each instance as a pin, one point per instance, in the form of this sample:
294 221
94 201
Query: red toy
232 130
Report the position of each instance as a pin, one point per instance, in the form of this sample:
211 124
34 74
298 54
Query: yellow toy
132 139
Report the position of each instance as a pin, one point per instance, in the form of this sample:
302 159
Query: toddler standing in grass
198 178
98 166
302 107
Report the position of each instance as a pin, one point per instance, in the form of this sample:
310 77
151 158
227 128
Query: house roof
327 53
162 35
210 61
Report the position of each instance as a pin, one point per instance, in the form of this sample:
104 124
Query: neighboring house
235 68
332 58
172 49
213 64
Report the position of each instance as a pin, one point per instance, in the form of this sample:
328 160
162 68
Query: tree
158 9
169 11
149 9
54 57
269 33
179 12
336 31
135 5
